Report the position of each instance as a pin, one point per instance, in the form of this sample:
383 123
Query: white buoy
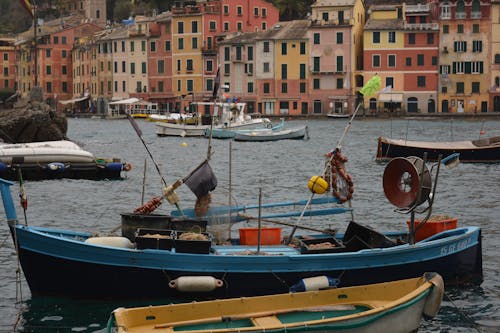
114 241
195 283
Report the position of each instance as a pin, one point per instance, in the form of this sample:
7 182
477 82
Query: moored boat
486 150
396 307
296 133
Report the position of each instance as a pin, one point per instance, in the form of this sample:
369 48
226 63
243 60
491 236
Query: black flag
216 84
202 180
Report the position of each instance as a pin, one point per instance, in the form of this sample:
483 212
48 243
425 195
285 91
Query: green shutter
468 67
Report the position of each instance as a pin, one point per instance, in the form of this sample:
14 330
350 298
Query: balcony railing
475 15
422 26
460 15
417 8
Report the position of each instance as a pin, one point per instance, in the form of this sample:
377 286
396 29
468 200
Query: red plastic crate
268 236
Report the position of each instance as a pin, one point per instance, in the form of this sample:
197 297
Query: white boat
296 133
338 115
226 116
44 152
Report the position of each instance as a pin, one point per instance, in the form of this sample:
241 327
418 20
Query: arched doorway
431 106
412 104
444 106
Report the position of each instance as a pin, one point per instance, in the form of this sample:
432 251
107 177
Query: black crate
131 222
187 224
144 239
305 245
359 237
193 246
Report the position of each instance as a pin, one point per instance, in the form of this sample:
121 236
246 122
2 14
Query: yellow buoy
317 185
184 144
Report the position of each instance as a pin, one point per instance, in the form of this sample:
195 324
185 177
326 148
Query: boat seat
267 321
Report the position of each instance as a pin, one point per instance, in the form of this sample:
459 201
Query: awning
125 101
397 98
74 100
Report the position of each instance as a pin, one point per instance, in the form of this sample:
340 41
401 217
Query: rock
32 121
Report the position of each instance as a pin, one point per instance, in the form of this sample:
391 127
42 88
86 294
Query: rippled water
281 169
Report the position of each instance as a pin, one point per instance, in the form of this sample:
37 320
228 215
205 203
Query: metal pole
35 23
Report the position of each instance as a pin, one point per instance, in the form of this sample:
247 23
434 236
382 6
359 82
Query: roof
336 3
387 24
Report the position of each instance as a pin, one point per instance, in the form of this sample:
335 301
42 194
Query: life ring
336 169
127 166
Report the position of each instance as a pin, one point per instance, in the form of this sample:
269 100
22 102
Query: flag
28 6
216 84
202 180
372 86
386 90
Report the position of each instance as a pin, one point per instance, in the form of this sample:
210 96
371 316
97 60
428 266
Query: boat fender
315 283
433 302
113 241
55 166
317 185
195 283
114 166
3 167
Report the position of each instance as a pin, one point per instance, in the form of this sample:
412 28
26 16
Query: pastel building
7 63
494 101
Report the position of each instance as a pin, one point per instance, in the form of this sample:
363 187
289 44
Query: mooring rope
463 314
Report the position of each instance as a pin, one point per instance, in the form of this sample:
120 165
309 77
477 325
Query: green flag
372 86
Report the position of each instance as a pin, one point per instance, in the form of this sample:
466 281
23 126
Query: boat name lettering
456 246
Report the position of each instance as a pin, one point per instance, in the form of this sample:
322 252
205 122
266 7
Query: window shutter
467 67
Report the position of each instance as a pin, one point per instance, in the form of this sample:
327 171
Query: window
476 67
64 40
124 67
434 60
189 85
316 84
265 67
391 60
64 54
49 87
250 53
132 46
460 28
316 64
325 16
239 26
408 61
123 46
48 70
6 71
446 10
376 37
227 69
340 38
391 37
340 64
460 87
227 53
458 68
264 12
209 43
477 46
213 25
475 28
194 27
421 81
444 69
316 38
376 60
430 38
226 26
194 43
389 82
56 39
189 65
302 48
160 86
302 71
284 88
249 69
64 87
167 46
64 69
460 10
250 87
340 83
124 86
47 53
132 68
420 60
180 27
181 44
266 88
5 56
210 66
444 89
143 46
460 46
284 71
266 47
179 65
475 87
283 49
302 87
226 10
256 12
239 10
264 26
446 29
411 38
143 68
161 66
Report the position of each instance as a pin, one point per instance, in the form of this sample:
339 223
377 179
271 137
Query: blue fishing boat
165 263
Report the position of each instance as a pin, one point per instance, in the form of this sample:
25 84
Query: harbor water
280 170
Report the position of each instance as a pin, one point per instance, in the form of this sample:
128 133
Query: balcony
460 15
422 26
475 15
417 8
209 51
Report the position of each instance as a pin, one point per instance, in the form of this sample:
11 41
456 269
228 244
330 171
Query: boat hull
168 129
59 266
388 149
396 307
261 136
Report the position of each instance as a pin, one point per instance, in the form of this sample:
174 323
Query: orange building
7 63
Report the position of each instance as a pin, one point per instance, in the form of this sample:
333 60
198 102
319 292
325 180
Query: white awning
396 98
125 101
74 100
